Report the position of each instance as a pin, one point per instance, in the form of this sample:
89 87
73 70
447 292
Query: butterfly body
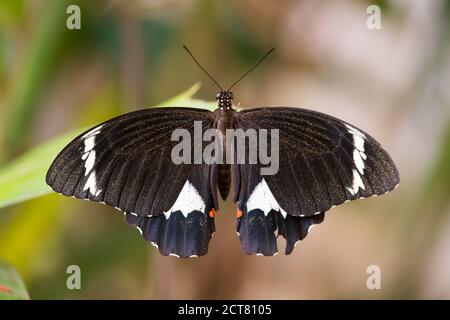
224 119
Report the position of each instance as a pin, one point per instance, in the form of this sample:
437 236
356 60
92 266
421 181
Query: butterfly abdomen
225 119
224 180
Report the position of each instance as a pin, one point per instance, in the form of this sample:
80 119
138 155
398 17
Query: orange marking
212 213
239 213
5 289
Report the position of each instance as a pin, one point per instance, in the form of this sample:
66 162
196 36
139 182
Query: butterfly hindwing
185 229
323 162
126 163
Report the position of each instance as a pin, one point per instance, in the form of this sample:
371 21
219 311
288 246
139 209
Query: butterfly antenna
251 69
200 66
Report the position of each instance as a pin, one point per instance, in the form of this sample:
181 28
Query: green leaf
24 178
185 100
11 285
182 97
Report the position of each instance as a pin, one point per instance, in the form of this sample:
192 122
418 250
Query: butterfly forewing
323 162
126 163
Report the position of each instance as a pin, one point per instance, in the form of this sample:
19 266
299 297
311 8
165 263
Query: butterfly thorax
224 113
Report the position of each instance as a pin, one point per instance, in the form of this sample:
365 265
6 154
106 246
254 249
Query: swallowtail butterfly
126 163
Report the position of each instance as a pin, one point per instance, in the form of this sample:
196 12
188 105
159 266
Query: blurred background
393 83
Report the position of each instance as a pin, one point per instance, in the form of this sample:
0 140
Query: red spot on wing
212 213
239 213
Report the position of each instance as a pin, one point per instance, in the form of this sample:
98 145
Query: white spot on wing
357 183
89 160
355 131
359 156
359 163
91 184
89 143
89 163
154 244
263 199
92 132
188 200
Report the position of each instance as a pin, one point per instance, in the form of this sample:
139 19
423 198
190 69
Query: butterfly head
224 100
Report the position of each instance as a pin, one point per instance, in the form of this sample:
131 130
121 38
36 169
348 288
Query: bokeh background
394 83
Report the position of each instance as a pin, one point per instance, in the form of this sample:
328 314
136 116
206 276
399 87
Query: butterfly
126 163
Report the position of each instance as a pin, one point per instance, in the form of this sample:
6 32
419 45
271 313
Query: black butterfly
126 163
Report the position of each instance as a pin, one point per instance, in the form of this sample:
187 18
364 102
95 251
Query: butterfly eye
218 94
230 94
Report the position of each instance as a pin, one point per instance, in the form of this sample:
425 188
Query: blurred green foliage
11 285
24 178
